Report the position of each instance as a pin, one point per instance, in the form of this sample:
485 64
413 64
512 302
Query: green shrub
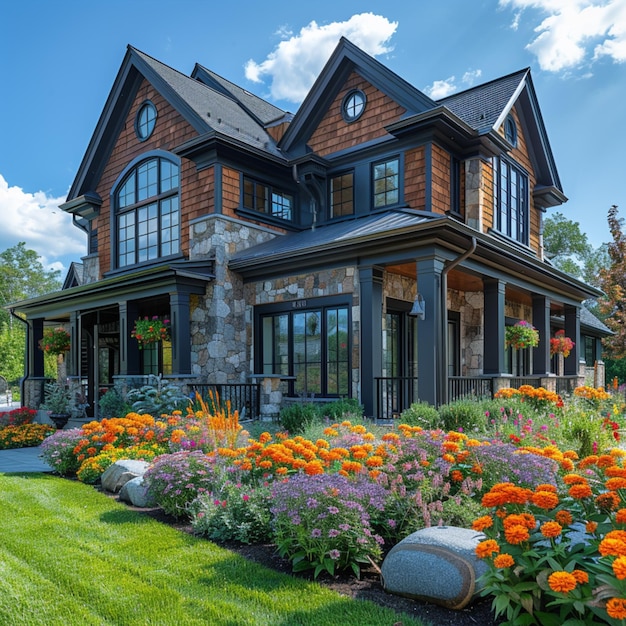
157 399
463 415
585 431
421 414
295 418
112 404
233 513
339 410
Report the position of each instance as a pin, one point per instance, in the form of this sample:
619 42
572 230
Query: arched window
147 212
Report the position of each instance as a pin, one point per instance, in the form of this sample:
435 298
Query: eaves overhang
186 277
494 256
448 126
203 150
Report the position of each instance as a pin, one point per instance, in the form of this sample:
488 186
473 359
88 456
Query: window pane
386 183
147 180
126 195
342 195
511 201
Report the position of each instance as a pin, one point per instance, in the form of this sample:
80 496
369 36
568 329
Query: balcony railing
469 387
244 397
394 395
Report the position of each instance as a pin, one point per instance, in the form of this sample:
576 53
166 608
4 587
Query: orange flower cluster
536 395
122 432
590 393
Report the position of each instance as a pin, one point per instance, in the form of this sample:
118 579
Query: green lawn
70 555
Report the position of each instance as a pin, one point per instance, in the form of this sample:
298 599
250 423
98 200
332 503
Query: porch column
181 337
429 331
35 354
129 359
371 305
541 321
73 359
572 330
493 331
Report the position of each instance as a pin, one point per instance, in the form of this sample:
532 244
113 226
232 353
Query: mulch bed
368 587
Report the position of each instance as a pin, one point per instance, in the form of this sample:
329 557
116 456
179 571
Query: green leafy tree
569 250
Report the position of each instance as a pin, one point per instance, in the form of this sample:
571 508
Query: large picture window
511 200
310 347
148 215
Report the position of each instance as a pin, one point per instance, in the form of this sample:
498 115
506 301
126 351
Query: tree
570 251
613 283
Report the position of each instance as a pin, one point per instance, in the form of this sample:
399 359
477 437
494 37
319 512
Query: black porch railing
469 387
394 394
244 397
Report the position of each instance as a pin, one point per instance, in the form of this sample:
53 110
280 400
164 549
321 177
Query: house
374 245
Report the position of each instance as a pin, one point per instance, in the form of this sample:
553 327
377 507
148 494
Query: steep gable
350 65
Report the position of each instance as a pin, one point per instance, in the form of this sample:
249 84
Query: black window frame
270 196
168 212
342 190
287 370
350 111
149 123
511 205
388 202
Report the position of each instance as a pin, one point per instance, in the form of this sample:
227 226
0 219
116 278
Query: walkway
22 460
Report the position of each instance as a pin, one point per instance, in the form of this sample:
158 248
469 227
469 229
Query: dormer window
353 105
145 121
510 131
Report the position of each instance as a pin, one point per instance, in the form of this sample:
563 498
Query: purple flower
316 533
333 532
334 554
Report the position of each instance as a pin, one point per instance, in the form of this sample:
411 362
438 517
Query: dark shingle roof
481 106
214 110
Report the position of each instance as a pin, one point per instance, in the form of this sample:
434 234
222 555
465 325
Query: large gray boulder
119 473
437 565
136 493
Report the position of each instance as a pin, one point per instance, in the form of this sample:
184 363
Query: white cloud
295 63
575 32
36 219
441 88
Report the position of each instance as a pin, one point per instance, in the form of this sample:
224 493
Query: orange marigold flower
620 516
567 465
580 576
608 501
574 479
616 608
281 471
374 474
564 518
504 560
265 437
606 460
551 529
522 519
546 487
562 582
613 544
374 461
615 470
580 491
456 476
615 483
313 467
516 534
451 446
486 521
619 567
590 527
545 499
448 457
486 548
331 432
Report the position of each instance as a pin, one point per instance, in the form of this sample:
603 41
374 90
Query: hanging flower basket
521 335
560 344
55 341
149 330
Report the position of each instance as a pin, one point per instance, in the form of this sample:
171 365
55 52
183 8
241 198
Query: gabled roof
485 107
265 112
74 276
345 59
209 111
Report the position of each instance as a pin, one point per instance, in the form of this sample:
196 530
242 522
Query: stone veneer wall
220 320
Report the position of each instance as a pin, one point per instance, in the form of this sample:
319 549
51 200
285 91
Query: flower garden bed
283 490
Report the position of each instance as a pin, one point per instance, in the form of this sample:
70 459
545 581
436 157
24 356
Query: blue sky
58 61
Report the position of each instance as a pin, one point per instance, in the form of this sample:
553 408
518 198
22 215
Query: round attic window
145 121
510 130
353 105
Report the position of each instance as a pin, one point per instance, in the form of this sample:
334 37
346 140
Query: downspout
443 327
26 359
